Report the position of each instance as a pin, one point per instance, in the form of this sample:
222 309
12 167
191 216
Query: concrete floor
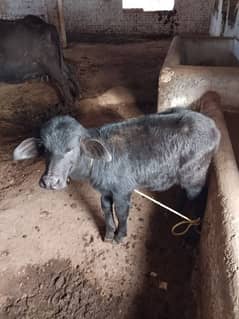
53 262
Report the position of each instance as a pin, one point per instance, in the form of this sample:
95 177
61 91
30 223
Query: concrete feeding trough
196 65
193 67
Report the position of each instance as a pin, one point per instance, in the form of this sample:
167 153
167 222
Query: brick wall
107 16
18 8
194 15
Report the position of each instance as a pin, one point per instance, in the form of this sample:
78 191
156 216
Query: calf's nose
49 182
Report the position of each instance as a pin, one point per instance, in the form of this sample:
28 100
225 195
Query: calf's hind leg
193 176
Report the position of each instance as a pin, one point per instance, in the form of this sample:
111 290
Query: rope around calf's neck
187 221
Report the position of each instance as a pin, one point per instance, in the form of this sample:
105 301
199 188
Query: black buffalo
30 48
155 152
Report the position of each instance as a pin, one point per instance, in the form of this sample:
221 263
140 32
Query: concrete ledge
183 79
219 249
183 85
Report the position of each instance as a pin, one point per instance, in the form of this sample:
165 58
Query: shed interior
53 260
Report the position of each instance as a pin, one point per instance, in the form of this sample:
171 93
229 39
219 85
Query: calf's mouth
53 182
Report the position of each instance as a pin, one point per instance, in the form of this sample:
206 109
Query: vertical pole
220 17
62 23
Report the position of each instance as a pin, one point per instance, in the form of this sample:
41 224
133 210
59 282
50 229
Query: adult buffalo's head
64 143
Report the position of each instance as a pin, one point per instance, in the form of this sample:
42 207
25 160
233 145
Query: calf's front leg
107 207
122 205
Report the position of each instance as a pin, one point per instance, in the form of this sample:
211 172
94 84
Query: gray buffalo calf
155 152
30 48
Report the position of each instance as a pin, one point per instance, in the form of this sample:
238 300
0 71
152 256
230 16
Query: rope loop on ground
187 221
189 224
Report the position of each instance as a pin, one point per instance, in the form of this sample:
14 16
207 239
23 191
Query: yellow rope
187 221
192 222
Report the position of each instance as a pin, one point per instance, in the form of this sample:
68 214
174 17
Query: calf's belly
158 182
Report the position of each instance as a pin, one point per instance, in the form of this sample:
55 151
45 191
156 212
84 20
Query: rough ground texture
53 262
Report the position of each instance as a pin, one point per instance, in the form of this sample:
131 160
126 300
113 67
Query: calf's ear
27 149
95 149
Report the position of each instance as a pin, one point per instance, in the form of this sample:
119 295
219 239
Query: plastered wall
107 16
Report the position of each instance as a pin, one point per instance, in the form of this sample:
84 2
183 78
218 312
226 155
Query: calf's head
65 144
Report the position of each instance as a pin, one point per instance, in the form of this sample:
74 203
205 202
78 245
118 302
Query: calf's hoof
119 238
109 237
108 240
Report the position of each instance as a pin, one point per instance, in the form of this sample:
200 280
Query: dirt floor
53 262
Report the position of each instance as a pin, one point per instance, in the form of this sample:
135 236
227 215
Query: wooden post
62 23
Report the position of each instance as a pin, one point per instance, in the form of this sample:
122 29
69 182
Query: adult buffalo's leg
74 87
69 72
107 207
122 205
55 74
